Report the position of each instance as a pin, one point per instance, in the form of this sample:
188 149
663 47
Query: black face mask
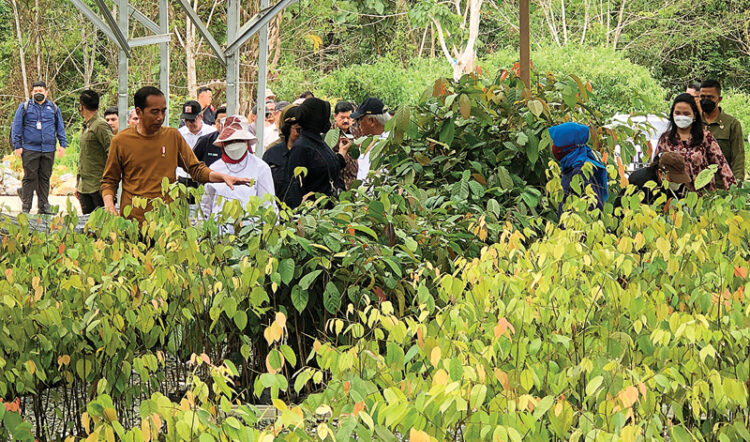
708 106
38 97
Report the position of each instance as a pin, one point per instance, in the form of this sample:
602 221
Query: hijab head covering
566 137
314 115
288 119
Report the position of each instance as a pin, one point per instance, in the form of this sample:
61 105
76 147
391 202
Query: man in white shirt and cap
370 119
237 156
192 130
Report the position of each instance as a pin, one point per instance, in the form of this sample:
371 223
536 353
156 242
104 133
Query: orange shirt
141 162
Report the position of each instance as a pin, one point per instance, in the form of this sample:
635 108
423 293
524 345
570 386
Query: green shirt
728 133
94 143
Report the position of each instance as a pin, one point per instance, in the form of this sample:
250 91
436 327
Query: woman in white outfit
237 158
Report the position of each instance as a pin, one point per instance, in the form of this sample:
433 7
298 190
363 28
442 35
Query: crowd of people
308 149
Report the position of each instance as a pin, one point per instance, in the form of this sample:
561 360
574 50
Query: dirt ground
12 204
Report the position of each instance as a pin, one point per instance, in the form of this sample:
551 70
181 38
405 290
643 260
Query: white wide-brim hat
236 128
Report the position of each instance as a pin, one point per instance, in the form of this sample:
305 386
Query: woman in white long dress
237 158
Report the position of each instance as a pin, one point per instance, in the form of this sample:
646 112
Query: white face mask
674 187
683 121
236 149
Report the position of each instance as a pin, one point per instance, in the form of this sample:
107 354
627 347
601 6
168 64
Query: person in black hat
193 129
312 153
277 155
369 120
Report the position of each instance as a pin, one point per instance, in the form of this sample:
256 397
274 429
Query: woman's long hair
696 130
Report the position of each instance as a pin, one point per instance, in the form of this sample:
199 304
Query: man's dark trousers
90 202
37 170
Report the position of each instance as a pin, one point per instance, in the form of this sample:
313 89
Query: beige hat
269 93
236 128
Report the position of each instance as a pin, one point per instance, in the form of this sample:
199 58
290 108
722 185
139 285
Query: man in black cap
369 120
193 129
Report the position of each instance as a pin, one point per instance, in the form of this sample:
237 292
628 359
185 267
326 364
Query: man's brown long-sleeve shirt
141 162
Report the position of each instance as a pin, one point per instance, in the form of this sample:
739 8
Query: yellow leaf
418 436
280 405
146 430
31 366
440 378
502 377
435 356
85 421
110 414
63 360
502 326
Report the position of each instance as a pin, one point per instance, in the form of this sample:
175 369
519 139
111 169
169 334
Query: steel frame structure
117 30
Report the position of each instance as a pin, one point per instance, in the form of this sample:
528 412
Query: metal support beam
94 19
258 21
149 40
164 54
525 47
203 30
122 63
121 39
141 18
260 102
233 59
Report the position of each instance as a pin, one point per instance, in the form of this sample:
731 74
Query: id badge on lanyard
38 125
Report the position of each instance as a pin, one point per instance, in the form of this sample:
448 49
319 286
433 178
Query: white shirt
270 135
363 162
191 140
250 167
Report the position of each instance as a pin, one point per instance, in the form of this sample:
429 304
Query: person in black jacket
277 154
311 152
669 167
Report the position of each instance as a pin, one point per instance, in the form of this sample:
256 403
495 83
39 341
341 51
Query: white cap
236 128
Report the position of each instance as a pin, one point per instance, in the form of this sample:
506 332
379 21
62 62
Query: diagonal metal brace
94 18
144 20
254 24
121 40
203 30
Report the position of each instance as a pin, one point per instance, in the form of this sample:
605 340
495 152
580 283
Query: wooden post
525 46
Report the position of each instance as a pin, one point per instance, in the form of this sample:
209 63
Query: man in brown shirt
141 157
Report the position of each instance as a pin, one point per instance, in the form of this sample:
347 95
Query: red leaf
379 292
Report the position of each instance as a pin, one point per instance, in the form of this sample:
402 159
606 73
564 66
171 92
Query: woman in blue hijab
570 148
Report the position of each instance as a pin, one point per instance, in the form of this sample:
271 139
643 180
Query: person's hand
18 152
110 208
344 145
60 151
232 181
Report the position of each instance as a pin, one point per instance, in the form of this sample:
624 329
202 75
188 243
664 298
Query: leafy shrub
621 86
735 103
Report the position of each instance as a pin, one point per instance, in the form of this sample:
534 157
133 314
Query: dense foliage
443 301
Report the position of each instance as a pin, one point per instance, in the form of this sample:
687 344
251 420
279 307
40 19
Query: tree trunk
21 52
38 40
618 28
564 25
89 57
585 20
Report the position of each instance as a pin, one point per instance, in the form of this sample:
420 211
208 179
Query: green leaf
543 406
402 118
477 396
536 107
240 319
299 298
286 270
705 176
506 182
332 298
308 279
448 132
594 385
464 106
